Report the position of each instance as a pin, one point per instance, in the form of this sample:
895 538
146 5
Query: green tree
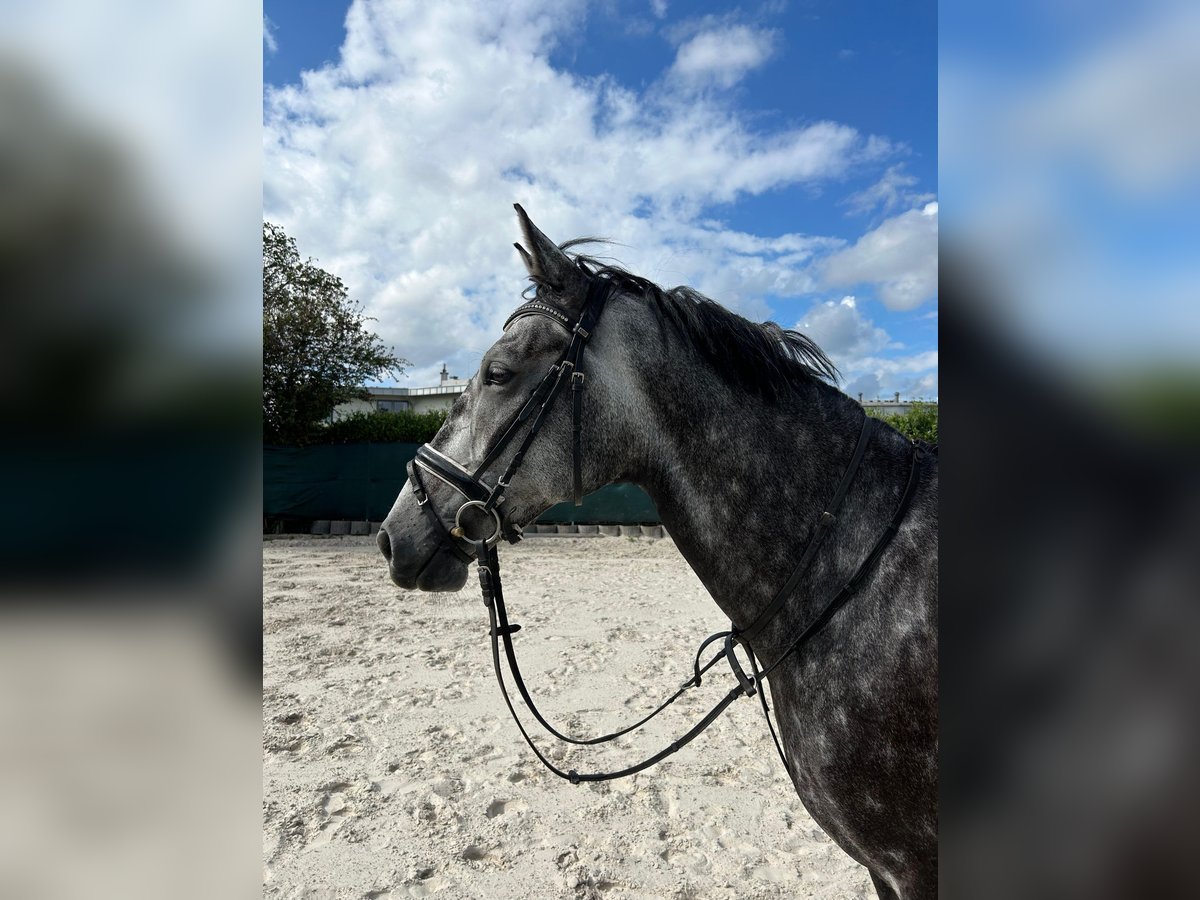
920 422
317 352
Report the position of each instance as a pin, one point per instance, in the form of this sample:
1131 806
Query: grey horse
736 433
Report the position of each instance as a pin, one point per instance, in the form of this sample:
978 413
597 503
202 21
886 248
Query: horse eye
496 375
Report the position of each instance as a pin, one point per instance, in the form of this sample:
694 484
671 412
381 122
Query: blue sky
780 157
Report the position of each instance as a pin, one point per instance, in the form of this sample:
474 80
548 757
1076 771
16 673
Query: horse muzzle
419 559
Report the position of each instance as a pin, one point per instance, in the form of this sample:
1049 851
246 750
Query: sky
779 157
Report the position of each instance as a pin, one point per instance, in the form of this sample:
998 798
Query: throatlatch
489 500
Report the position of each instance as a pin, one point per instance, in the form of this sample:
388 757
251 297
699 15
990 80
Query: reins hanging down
501 630
489 500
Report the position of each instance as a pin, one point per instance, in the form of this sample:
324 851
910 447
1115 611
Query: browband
538 308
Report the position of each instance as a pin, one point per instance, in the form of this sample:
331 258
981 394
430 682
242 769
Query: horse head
428 535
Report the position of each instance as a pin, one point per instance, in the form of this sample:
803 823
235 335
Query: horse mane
759 356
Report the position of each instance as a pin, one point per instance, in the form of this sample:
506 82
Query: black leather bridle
489 499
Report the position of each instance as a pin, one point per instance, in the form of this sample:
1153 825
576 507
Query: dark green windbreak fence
614 504
359 482
334 481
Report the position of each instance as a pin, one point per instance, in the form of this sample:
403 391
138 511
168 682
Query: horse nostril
384 541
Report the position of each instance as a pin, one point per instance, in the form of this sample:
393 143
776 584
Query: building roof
455 386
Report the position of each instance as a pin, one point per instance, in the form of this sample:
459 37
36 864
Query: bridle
489 500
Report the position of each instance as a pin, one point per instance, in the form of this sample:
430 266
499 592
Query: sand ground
391 768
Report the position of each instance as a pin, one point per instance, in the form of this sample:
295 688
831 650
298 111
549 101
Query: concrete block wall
340 528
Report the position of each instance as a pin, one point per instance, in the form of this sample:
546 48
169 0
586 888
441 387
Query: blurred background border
130 147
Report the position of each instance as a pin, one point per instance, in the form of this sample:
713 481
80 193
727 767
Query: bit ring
458 531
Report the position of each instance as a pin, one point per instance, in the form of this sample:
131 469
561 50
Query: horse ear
545 261
525 258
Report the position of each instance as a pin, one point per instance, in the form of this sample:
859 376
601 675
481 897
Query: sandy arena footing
392 769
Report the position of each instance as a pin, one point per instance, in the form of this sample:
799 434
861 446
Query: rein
489 499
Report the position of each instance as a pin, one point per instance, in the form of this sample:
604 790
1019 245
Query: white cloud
398 165
867 386
852 340
924 387
659 8
722 56
270 44
914 376
902 365
899 258
892 191
842 331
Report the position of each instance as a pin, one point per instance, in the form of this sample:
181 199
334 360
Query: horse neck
740 480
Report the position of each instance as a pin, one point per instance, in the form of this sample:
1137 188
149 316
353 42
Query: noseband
489 499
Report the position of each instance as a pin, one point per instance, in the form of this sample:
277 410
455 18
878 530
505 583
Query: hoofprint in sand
392 769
